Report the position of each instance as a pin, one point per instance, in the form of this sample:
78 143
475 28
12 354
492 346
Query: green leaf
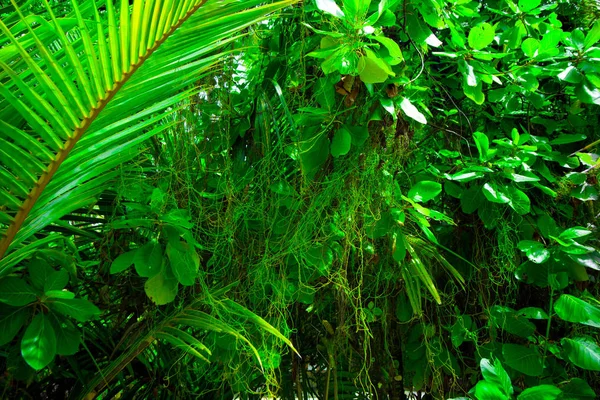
518 200
38 346
485 390
57 280
391 46
162 288
535 251
471 199
573 309
496 375
540 392
370 70
411 111
494 194
80 309
587 93
507 319
481 36
185 263
483 144
330 7
528 5
359 135
526 360
530 47
39 271
68 337
340 144
15 292
574 233
592 36
564 138
11 321
424 191
533 313
148 259
582 352
578 389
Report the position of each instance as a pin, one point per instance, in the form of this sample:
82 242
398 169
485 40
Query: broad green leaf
518 200
391 46
526 360
471 199
481 36
485 390
38 346
583 352
162 288
80 309
330 7
593 36
57 280
424 191
341 142
496 375
574 233
15 292
570 74
483 145
11 321
412 111
541 392
68 336
530 47
185 263
39 271
567 138
494 194
528 5
573 309
535 251
509 320
587 93
370 71
359 135
578 389
148 259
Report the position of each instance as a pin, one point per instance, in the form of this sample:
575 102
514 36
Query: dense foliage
335 199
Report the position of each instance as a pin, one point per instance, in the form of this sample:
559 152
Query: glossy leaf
38 345
80 309
481 36
573 309
424 191
411 111
582 352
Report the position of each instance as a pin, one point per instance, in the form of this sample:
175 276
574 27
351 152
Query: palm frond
80 98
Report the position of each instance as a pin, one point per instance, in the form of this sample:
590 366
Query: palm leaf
80 98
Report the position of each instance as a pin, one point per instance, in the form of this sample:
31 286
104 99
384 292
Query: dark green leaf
583 352
80 309
185 263
15 292
38 346
578 389
526 360
340 144
11 321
